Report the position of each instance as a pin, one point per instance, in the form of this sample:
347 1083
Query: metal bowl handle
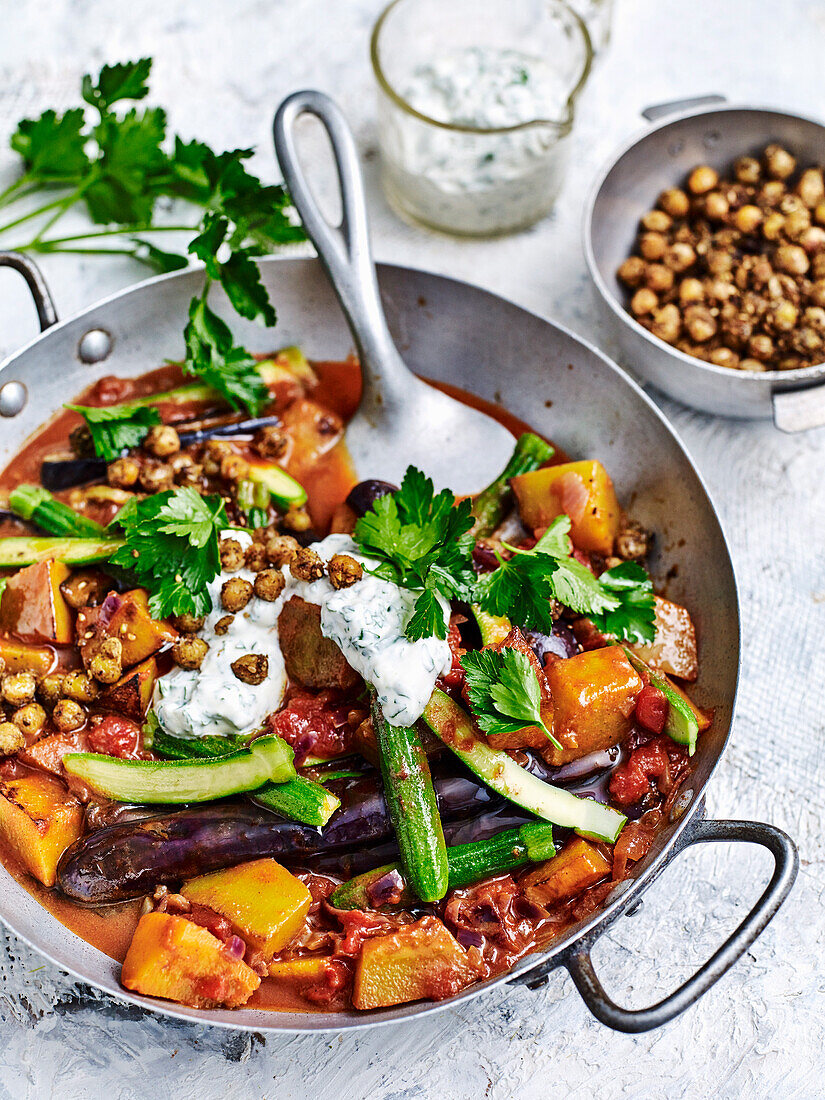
783 850
676 106
43 301
799 410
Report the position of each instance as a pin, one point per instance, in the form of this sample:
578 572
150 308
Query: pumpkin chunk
594 695
582 490
577 866
263 902
173 958
125 617
33 607
419 960
39 819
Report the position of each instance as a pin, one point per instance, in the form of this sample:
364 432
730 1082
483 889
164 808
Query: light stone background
221 68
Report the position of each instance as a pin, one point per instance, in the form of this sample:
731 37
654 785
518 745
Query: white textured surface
761 1032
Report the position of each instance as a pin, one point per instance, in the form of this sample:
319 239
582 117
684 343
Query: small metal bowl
628 187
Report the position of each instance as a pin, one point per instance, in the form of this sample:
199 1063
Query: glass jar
475 107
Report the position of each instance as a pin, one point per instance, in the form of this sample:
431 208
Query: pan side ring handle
676 106
782 848
43 301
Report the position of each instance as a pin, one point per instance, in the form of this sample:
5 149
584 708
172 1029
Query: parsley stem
45 247
69 201
34 213
8 194
121 231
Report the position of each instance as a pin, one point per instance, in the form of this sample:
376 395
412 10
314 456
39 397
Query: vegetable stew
269 736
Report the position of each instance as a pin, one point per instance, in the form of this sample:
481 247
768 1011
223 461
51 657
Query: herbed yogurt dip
366 621
473 182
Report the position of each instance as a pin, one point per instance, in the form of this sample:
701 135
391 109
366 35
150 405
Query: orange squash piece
48 752
140 635
594 695
419 960
22 657
173 958
131 695
673 649
33 607
39 819
582 490
578 866
264 903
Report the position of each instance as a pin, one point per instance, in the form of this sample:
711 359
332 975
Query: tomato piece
115 736
315 724
454 677
630 782
652 708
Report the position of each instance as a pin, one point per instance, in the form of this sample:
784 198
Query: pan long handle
344 250
783 850
43 302
676 106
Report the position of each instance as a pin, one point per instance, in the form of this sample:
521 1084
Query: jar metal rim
563 125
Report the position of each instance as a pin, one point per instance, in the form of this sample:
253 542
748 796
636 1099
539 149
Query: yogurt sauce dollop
366 621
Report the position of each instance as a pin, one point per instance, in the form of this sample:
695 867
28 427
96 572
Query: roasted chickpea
11 738
667 323
234 468
657 221
344 570
691 290
659 278
232 555
156 477
106 665
68 715
652 245
784 316
252 668
643 301
748 218
214 451
752 365
18 688
796 223
223 624
307 565
50 689
674 202
81 442
84 589
255 557
189 652
188 624
271 441
813 239
162 441
719 262
80 687
189 473
280 549
773 226
760 346
747 170
717 206
702 179
779 162
724 357
632 271
30 719
772 193
817 293
235 594
269 584
297 519
122 473
700 323
680 256
633 541
792 259
819 214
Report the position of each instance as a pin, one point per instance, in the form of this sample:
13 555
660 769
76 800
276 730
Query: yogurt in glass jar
476 102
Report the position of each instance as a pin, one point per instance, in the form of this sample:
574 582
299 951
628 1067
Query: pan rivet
94 345
13 398
634 909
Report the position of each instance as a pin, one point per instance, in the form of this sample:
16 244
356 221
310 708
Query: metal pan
660 157
566 389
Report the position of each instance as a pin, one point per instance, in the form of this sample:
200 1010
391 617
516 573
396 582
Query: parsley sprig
117 428
171 548
422 542
619 602
504 691
115 160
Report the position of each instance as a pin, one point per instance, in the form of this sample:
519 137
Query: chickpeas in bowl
730 268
